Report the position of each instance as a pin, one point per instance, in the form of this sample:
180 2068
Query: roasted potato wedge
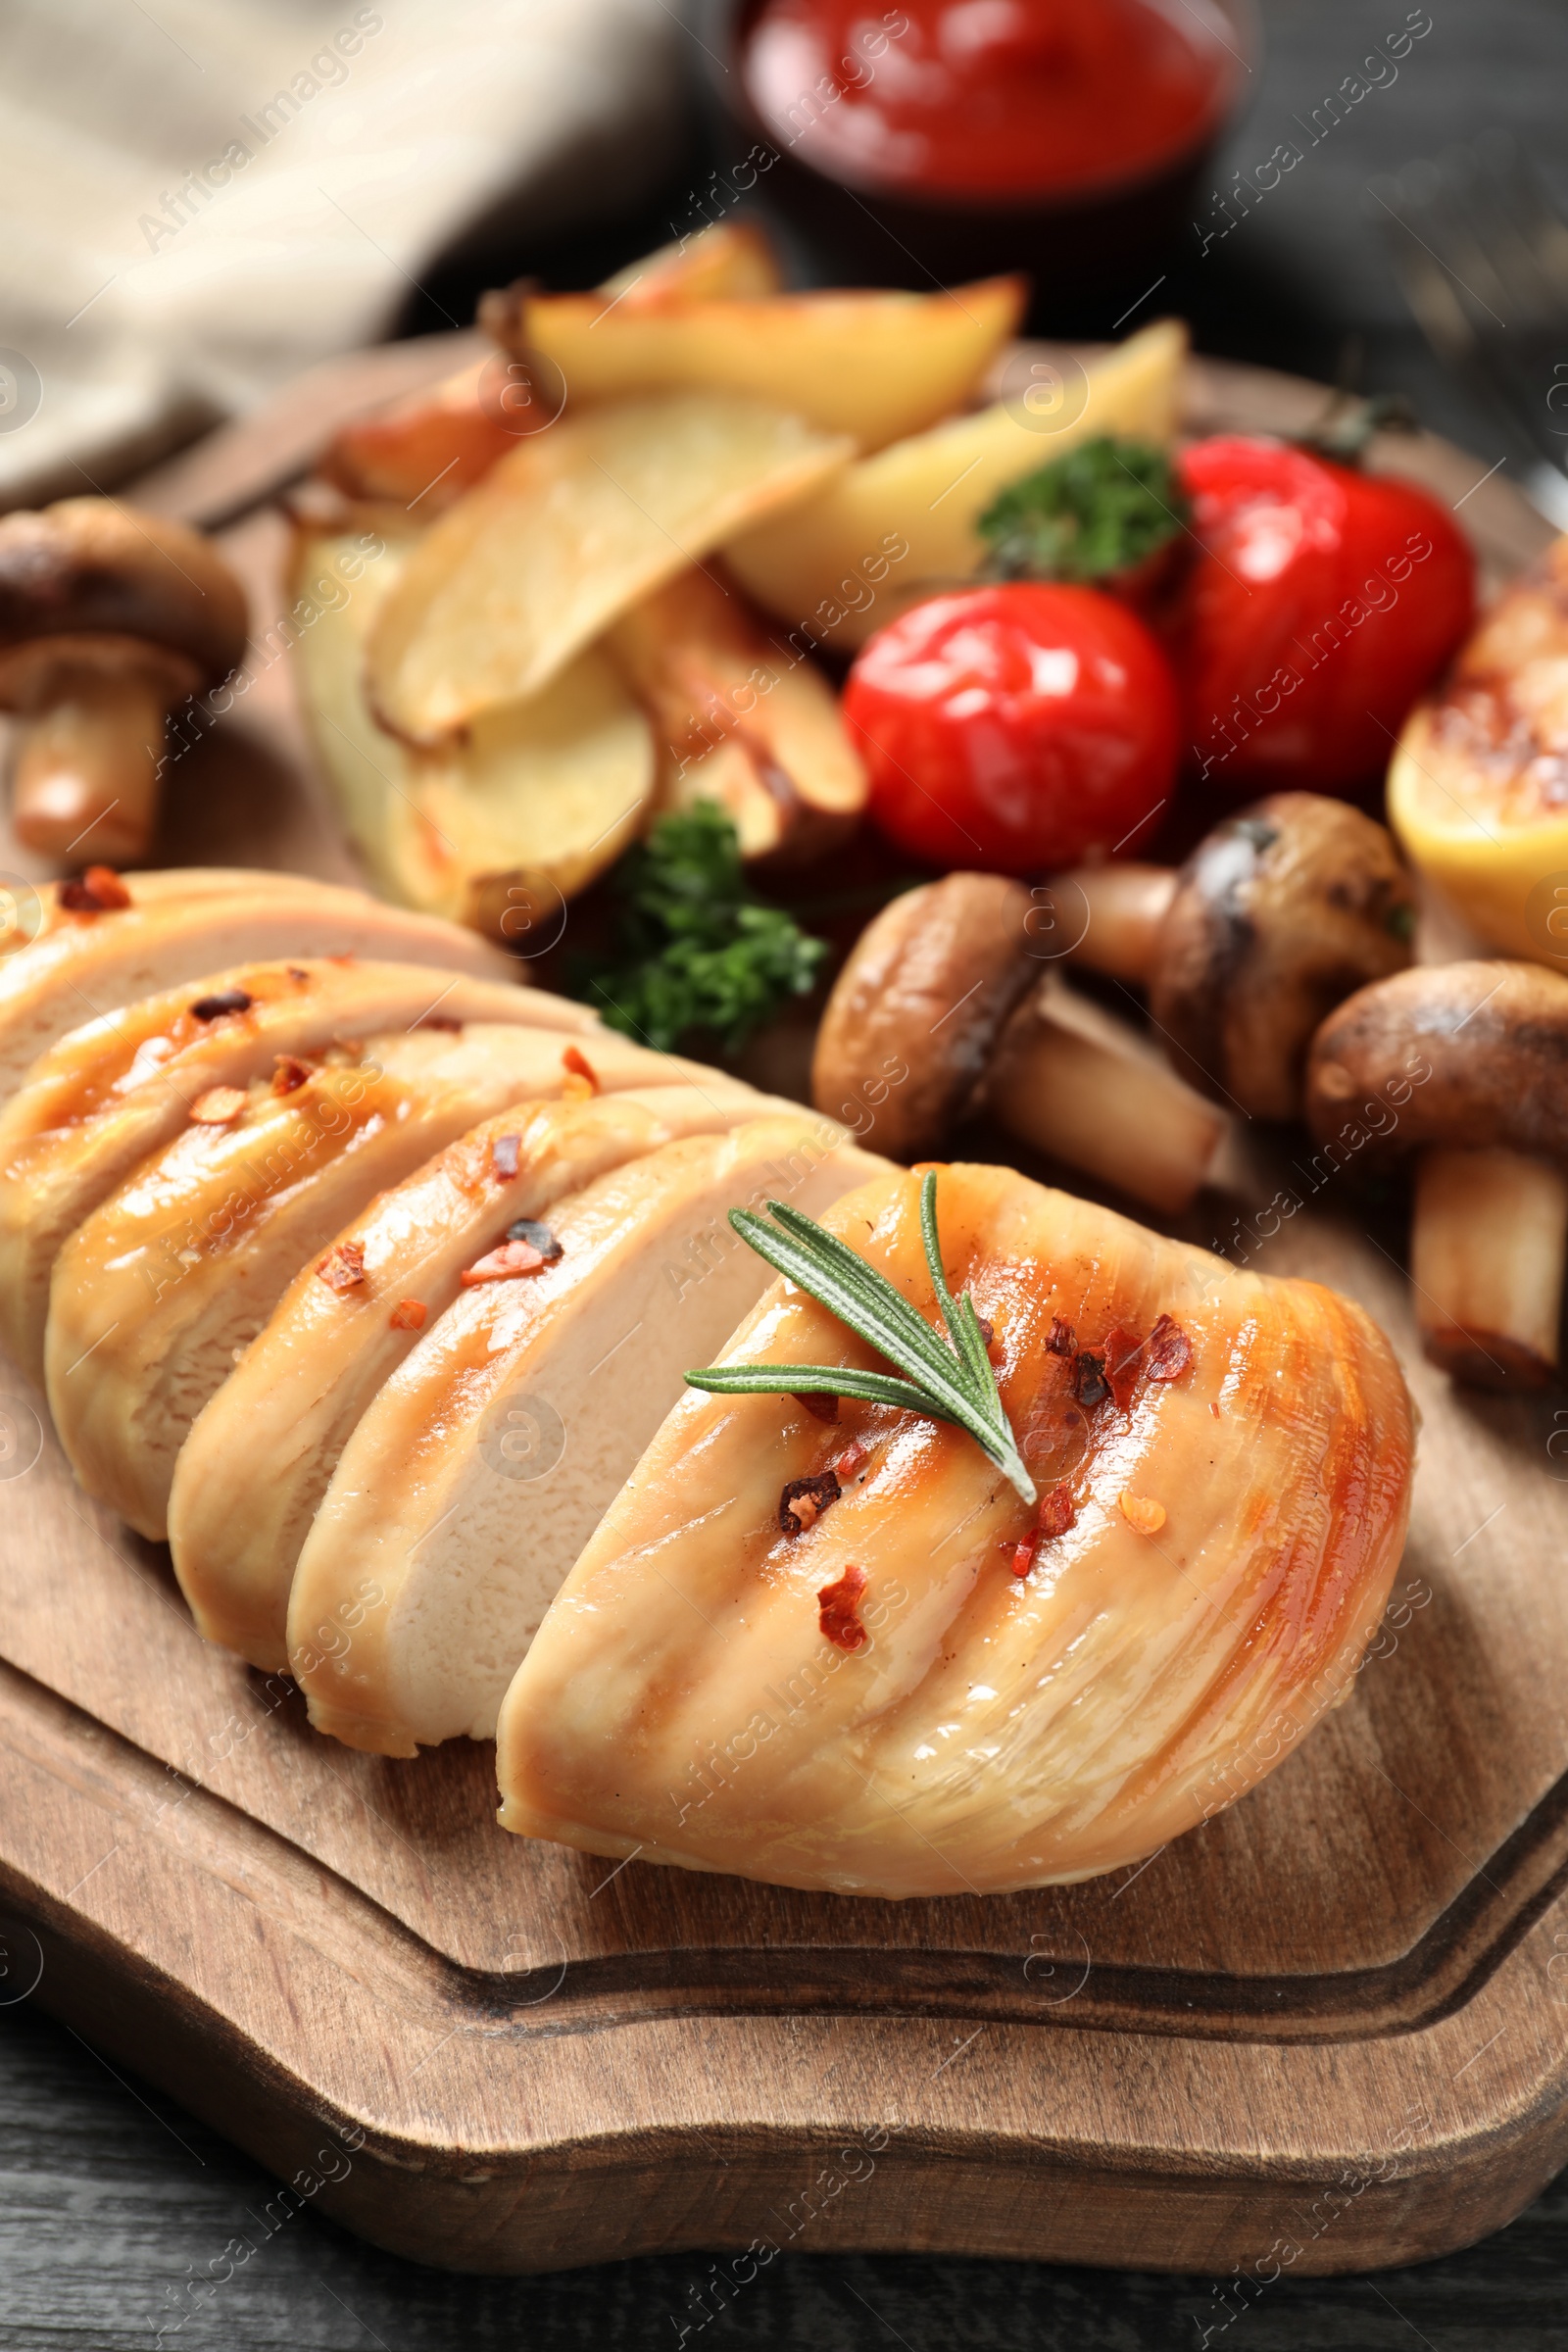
535 797
569 530
841 563
739 719
877 365
728 258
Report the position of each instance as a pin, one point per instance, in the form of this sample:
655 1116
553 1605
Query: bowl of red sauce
953 139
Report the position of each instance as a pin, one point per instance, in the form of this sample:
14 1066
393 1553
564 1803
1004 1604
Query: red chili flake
439 1020
99 891
504 1150
343 1267
1057 1511
1023 1554
803 1500
1062 1341
290 1073
1123 1361
503 1264
1170 1351
850 1459
1090 1386
1214 1409
836 1607
225 1000
820 1406
408 1314
576 1064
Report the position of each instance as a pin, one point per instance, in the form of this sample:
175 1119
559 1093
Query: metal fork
1481 253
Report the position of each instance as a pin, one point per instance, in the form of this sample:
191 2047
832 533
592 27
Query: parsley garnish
698 948
1099 509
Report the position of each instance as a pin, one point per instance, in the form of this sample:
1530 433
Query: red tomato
1014 728
1322 602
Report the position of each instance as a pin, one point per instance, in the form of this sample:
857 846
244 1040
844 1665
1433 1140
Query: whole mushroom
1281 912
1465 1066
108 620
927 1023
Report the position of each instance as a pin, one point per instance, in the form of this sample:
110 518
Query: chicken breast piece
478 1473
928 1687
157 1293
118 1089
256 1464
179 928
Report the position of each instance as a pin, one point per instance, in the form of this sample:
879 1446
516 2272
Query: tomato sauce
988 98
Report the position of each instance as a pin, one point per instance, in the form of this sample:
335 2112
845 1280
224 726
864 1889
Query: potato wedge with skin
727 258
256 1464
738 720
92 962
915 504
535 799
874 365
122 1087
566 532
156 1292
430 445
432 1499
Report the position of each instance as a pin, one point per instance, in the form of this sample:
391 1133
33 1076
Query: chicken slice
157 1293
182 926
118 1089
481 1468
928 1687
256 1464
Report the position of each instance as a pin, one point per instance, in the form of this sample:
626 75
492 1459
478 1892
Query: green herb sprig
1103 509
945 1379
698 948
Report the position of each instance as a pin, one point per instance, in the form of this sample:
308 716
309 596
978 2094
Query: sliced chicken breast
105 1098
919 1685
483 1466
85 964
259 1458
157 1293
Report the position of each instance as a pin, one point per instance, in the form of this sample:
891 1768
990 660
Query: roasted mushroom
1279 914
1465 1064
108 620
925 1023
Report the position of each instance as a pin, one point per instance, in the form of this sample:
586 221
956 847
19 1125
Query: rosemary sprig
946 1379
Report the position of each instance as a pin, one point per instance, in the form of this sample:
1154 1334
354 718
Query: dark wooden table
112 2199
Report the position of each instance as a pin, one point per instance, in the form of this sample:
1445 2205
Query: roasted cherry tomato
1320 605
1016 727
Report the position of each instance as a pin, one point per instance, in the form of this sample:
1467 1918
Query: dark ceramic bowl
1085 251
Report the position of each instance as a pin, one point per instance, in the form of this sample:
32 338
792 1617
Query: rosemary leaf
948 1380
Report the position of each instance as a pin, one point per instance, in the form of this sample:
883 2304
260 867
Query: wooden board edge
494 2153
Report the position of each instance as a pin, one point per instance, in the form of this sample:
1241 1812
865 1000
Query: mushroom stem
1126 906
1116 1117
1488 1245
86 765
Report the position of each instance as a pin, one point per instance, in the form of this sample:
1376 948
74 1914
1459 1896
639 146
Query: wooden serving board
1327 2030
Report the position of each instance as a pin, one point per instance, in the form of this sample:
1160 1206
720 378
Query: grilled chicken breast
182 925
256 1464
157 1293
924 1686
119 1088
483 1466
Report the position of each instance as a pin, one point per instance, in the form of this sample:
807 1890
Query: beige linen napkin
204 196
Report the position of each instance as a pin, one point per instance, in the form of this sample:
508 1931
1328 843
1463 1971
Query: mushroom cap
1278 915
90 567
908 1030
1470 1054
